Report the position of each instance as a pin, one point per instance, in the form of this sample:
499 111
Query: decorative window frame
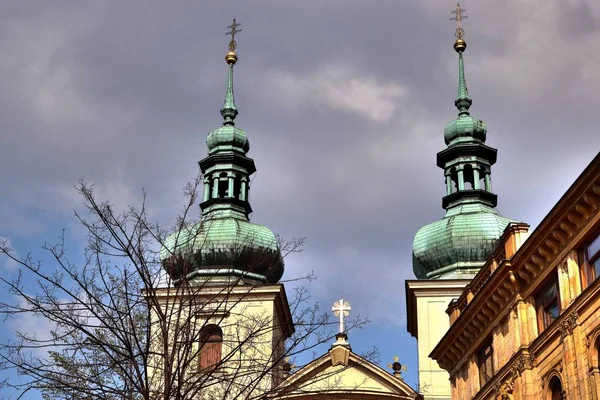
555 372
540 308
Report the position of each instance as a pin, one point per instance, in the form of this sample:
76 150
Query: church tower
224 315
448 253
458 244
225 247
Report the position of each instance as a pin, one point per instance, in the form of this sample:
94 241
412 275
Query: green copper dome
227 138
224 247
458 244
465 129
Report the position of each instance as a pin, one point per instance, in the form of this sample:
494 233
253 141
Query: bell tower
457 246
448 253
224 247
225 317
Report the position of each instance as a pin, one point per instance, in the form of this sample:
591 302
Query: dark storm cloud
344 103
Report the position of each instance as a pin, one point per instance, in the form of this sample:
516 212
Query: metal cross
459 33
342 309
232 31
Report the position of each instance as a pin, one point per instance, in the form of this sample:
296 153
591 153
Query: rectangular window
590 261
547 303
485 363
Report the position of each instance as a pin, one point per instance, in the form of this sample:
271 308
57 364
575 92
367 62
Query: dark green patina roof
459 244
465 129
225 246
228 138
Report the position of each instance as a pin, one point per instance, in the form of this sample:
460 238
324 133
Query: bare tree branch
121 328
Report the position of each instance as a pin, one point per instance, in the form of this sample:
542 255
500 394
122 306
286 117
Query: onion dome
458 245
227 137
224 247
223 250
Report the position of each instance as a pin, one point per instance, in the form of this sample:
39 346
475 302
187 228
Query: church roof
457 245
225 246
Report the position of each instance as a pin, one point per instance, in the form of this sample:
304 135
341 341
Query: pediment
340 374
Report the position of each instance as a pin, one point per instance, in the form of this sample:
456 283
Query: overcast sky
344 103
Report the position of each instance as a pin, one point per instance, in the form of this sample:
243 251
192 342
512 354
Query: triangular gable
340 371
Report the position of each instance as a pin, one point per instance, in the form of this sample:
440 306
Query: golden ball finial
460 45
231 58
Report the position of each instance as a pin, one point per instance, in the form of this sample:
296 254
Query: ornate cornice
563 229
523 362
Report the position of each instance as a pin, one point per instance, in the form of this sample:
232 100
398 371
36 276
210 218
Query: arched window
556 390
211 342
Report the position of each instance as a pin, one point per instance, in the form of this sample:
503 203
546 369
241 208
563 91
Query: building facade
219 328
528 325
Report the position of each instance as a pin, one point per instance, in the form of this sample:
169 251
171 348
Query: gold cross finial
232 31
459 33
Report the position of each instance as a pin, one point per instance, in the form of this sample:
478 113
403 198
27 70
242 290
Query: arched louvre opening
223 183
469 177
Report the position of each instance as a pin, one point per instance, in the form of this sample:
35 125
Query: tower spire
229 111
463 100
226 191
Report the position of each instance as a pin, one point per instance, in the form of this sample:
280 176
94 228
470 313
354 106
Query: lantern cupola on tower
459 244
224 246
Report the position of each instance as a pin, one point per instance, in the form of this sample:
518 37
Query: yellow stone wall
252 329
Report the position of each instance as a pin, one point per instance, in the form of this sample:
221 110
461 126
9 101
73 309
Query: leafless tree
122 329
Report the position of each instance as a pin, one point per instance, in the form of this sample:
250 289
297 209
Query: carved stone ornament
505 391
515 309
525 361
566 327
